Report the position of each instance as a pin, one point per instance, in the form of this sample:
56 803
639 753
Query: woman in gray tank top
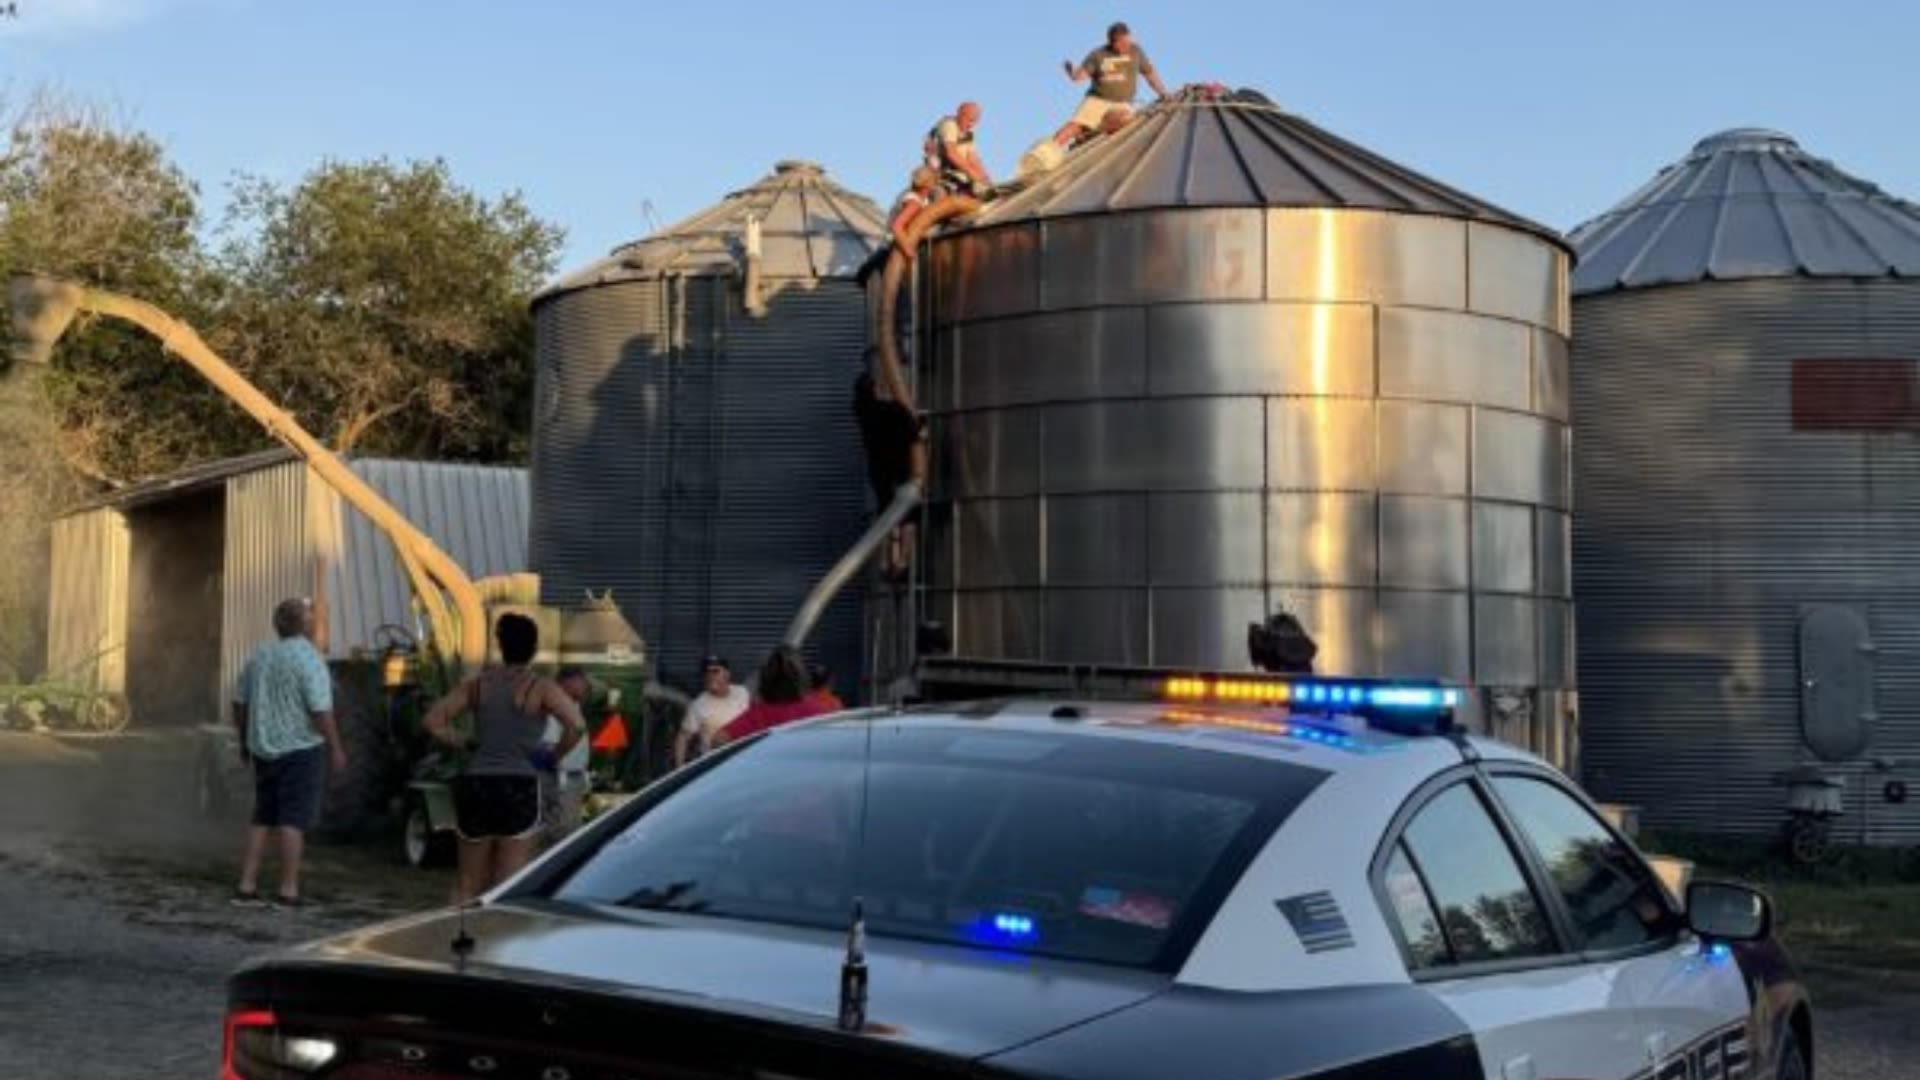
496 797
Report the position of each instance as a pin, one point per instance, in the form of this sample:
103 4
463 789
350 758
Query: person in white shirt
564 790
716 707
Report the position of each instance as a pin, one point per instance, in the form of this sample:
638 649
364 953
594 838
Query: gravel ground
116 940
99 981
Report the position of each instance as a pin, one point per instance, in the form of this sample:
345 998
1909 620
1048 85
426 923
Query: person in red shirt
781 698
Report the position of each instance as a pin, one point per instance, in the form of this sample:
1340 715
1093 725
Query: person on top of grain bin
922 191
1114 69
949 150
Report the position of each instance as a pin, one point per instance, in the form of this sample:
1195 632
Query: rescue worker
922 192
1114 69
896 444
950 152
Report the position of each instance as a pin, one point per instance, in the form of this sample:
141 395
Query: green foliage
382 303
388 305
1858 909
83 199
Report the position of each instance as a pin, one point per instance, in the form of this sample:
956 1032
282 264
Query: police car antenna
462 944
853 970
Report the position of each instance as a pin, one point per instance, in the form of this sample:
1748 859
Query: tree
84 198
388 306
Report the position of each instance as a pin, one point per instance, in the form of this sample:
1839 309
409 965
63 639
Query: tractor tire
359 801
421 846
106 713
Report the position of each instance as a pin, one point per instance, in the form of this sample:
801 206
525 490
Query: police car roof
1329 741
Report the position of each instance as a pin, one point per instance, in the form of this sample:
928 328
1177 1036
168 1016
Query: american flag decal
1317 920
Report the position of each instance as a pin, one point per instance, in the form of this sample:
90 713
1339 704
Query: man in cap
950 152
719 702
1114 69
283 710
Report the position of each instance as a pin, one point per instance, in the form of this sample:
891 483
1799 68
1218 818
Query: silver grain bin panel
701 462
1223 364
1715 499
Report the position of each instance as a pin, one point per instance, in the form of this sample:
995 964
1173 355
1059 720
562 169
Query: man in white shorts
718 704
1114 69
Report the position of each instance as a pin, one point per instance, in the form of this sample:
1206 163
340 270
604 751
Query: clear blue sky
593 109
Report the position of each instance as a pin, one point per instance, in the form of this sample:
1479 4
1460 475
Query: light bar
1410 708
1344 693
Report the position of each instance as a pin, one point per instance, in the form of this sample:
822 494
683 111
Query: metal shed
161 591
1746 388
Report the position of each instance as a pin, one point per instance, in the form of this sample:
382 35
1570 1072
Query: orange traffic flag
613 735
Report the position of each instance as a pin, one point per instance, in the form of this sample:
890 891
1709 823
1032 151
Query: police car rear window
1084 848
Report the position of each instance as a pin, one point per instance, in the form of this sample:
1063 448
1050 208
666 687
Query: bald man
950 151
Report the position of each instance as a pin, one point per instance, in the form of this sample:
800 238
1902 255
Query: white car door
1693 1001
1483 940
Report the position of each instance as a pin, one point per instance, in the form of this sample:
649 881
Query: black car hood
953 1001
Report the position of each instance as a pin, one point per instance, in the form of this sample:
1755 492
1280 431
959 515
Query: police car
1244 878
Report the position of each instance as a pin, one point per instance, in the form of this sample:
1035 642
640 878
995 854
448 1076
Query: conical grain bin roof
1748 203
810 227
1238 149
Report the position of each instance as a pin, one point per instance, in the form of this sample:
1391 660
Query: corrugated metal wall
707 469
87 600
271 553
598 477
793 491
476 513
1705 520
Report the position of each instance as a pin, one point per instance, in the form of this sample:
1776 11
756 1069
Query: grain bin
1748 486
1225 364
694 446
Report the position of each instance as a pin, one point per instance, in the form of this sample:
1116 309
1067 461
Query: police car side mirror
1724 912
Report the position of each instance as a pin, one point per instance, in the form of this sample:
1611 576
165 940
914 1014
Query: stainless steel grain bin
1748 484
694 445
1225 363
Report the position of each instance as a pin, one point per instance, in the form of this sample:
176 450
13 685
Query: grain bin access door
1836 682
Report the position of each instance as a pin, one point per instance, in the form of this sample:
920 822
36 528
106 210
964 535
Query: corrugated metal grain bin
172 583
1226 364
694 446
1748 484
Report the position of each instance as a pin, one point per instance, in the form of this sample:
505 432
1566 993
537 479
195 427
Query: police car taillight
1412 708
254 1048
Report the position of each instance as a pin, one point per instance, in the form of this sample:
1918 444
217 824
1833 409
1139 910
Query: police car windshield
1097 849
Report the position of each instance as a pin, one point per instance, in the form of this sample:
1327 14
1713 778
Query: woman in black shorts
496 797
